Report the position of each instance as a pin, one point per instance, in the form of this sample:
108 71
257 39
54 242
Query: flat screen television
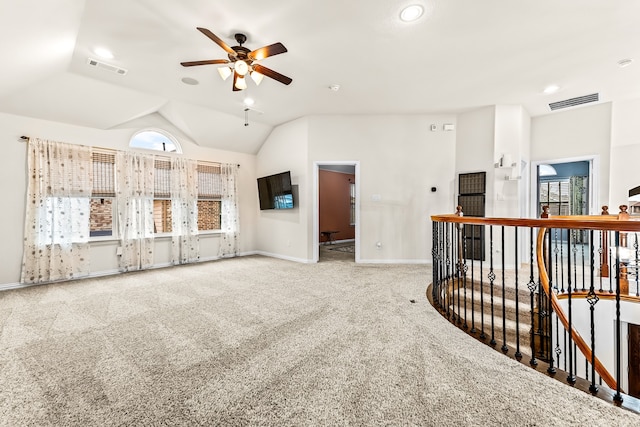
275 191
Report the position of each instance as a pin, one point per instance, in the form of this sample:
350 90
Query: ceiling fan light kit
242 61
256 77
241 68
240 83
224 72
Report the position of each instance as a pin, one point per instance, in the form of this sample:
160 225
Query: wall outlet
119 250
378 245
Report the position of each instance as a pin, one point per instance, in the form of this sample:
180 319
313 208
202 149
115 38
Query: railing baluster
551 369
464 273
434 272
592 299
558 350
586 369
532 288
449 269
558 253
574 250
483 336
571 378
492 277
637 267
504 304
473 283
564 346
616 266
441 263
583 262
518 354
603 255
459 261
560 259
618 397
441 266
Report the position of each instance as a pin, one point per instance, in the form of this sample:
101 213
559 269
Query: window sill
108 239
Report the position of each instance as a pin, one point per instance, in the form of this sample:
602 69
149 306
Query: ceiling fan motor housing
241 54
244 60
240 38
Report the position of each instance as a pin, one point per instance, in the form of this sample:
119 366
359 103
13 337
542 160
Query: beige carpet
259 341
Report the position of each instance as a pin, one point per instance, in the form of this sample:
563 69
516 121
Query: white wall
285 233
400 160
484 137
13 184
625 151
579 132
475 149
510 121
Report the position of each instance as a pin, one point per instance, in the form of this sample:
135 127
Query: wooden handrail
557 308
584 222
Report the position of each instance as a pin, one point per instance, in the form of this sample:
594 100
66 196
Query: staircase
471 304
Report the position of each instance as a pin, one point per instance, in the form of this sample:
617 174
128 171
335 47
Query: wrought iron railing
554 292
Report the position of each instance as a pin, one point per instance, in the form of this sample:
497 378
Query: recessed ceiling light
103 53
411 13
551 89
190 81
248 102
625 62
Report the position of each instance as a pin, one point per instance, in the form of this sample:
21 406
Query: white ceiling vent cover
107 67
594 97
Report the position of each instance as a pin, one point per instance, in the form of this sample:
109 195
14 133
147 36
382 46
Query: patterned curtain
57 212
134 195
229 211
185 242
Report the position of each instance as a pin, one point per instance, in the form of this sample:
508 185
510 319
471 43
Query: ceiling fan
243 61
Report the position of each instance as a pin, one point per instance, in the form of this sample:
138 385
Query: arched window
155 139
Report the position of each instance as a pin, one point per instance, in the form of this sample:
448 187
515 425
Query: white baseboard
285 257
339 241
9 286
95 274
395 261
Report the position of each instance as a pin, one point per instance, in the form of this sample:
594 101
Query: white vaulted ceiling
461 55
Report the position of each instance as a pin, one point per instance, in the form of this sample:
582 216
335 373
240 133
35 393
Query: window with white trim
209 196
156 140
101 208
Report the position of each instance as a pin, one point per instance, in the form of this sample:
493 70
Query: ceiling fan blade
235 79
217 40
207 62
272 74
265 52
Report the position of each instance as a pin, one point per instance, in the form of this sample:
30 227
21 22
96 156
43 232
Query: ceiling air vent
594 97
107 67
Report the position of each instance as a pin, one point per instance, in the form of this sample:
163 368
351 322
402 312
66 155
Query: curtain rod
24 138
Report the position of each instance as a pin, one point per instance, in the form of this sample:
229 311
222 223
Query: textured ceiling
461 55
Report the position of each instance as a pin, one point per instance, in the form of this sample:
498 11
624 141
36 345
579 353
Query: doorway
336 225
565 185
